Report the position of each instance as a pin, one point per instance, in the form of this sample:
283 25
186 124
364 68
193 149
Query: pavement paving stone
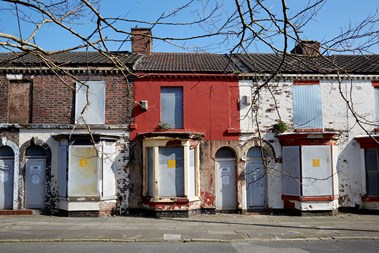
219 227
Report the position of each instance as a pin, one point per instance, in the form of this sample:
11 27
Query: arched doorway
35 176
6 177
226 197
256 180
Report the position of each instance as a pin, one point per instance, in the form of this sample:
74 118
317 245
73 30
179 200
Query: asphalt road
298 246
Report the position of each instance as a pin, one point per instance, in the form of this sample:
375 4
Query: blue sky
334 15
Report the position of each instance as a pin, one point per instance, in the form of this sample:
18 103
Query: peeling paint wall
265 111
122 175
135 168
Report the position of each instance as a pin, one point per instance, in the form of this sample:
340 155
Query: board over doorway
256 180
35 178
226 183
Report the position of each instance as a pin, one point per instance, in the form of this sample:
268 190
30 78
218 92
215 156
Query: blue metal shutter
172 106
307 108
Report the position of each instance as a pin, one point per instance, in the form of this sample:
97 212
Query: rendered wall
336 118
210 105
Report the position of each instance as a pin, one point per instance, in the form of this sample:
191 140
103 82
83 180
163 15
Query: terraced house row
184 133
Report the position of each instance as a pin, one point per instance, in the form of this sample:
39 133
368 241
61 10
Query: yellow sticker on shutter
315 162
83 162
171 164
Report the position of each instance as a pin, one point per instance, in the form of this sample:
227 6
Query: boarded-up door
35 177
226 198
35 183
256 180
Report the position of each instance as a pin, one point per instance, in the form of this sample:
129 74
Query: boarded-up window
372 172
307 108
90 102
19 102
150 165
172 106
82 172
171 172
291 171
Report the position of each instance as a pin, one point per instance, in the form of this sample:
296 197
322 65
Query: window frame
104 175
151 189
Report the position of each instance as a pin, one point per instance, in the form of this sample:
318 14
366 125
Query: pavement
201 228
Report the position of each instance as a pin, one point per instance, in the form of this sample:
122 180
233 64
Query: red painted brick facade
210 105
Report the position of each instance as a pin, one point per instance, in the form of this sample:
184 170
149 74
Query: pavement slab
212 228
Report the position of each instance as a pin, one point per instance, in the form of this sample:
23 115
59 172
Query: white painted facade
111 175
338 99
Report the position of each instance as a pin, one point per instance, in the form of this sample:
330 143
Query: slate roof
186 62
207 63
298 64
72 59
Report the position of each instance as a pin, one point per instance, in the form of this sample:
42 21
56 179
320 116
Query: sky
326 24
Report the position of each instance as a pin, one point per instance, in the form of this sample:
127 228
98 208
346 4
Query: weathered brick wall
54 99
119 97
3 99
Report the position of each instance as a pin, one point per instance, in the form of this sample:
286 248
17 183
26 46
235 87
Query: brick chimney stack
141 40
308 48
